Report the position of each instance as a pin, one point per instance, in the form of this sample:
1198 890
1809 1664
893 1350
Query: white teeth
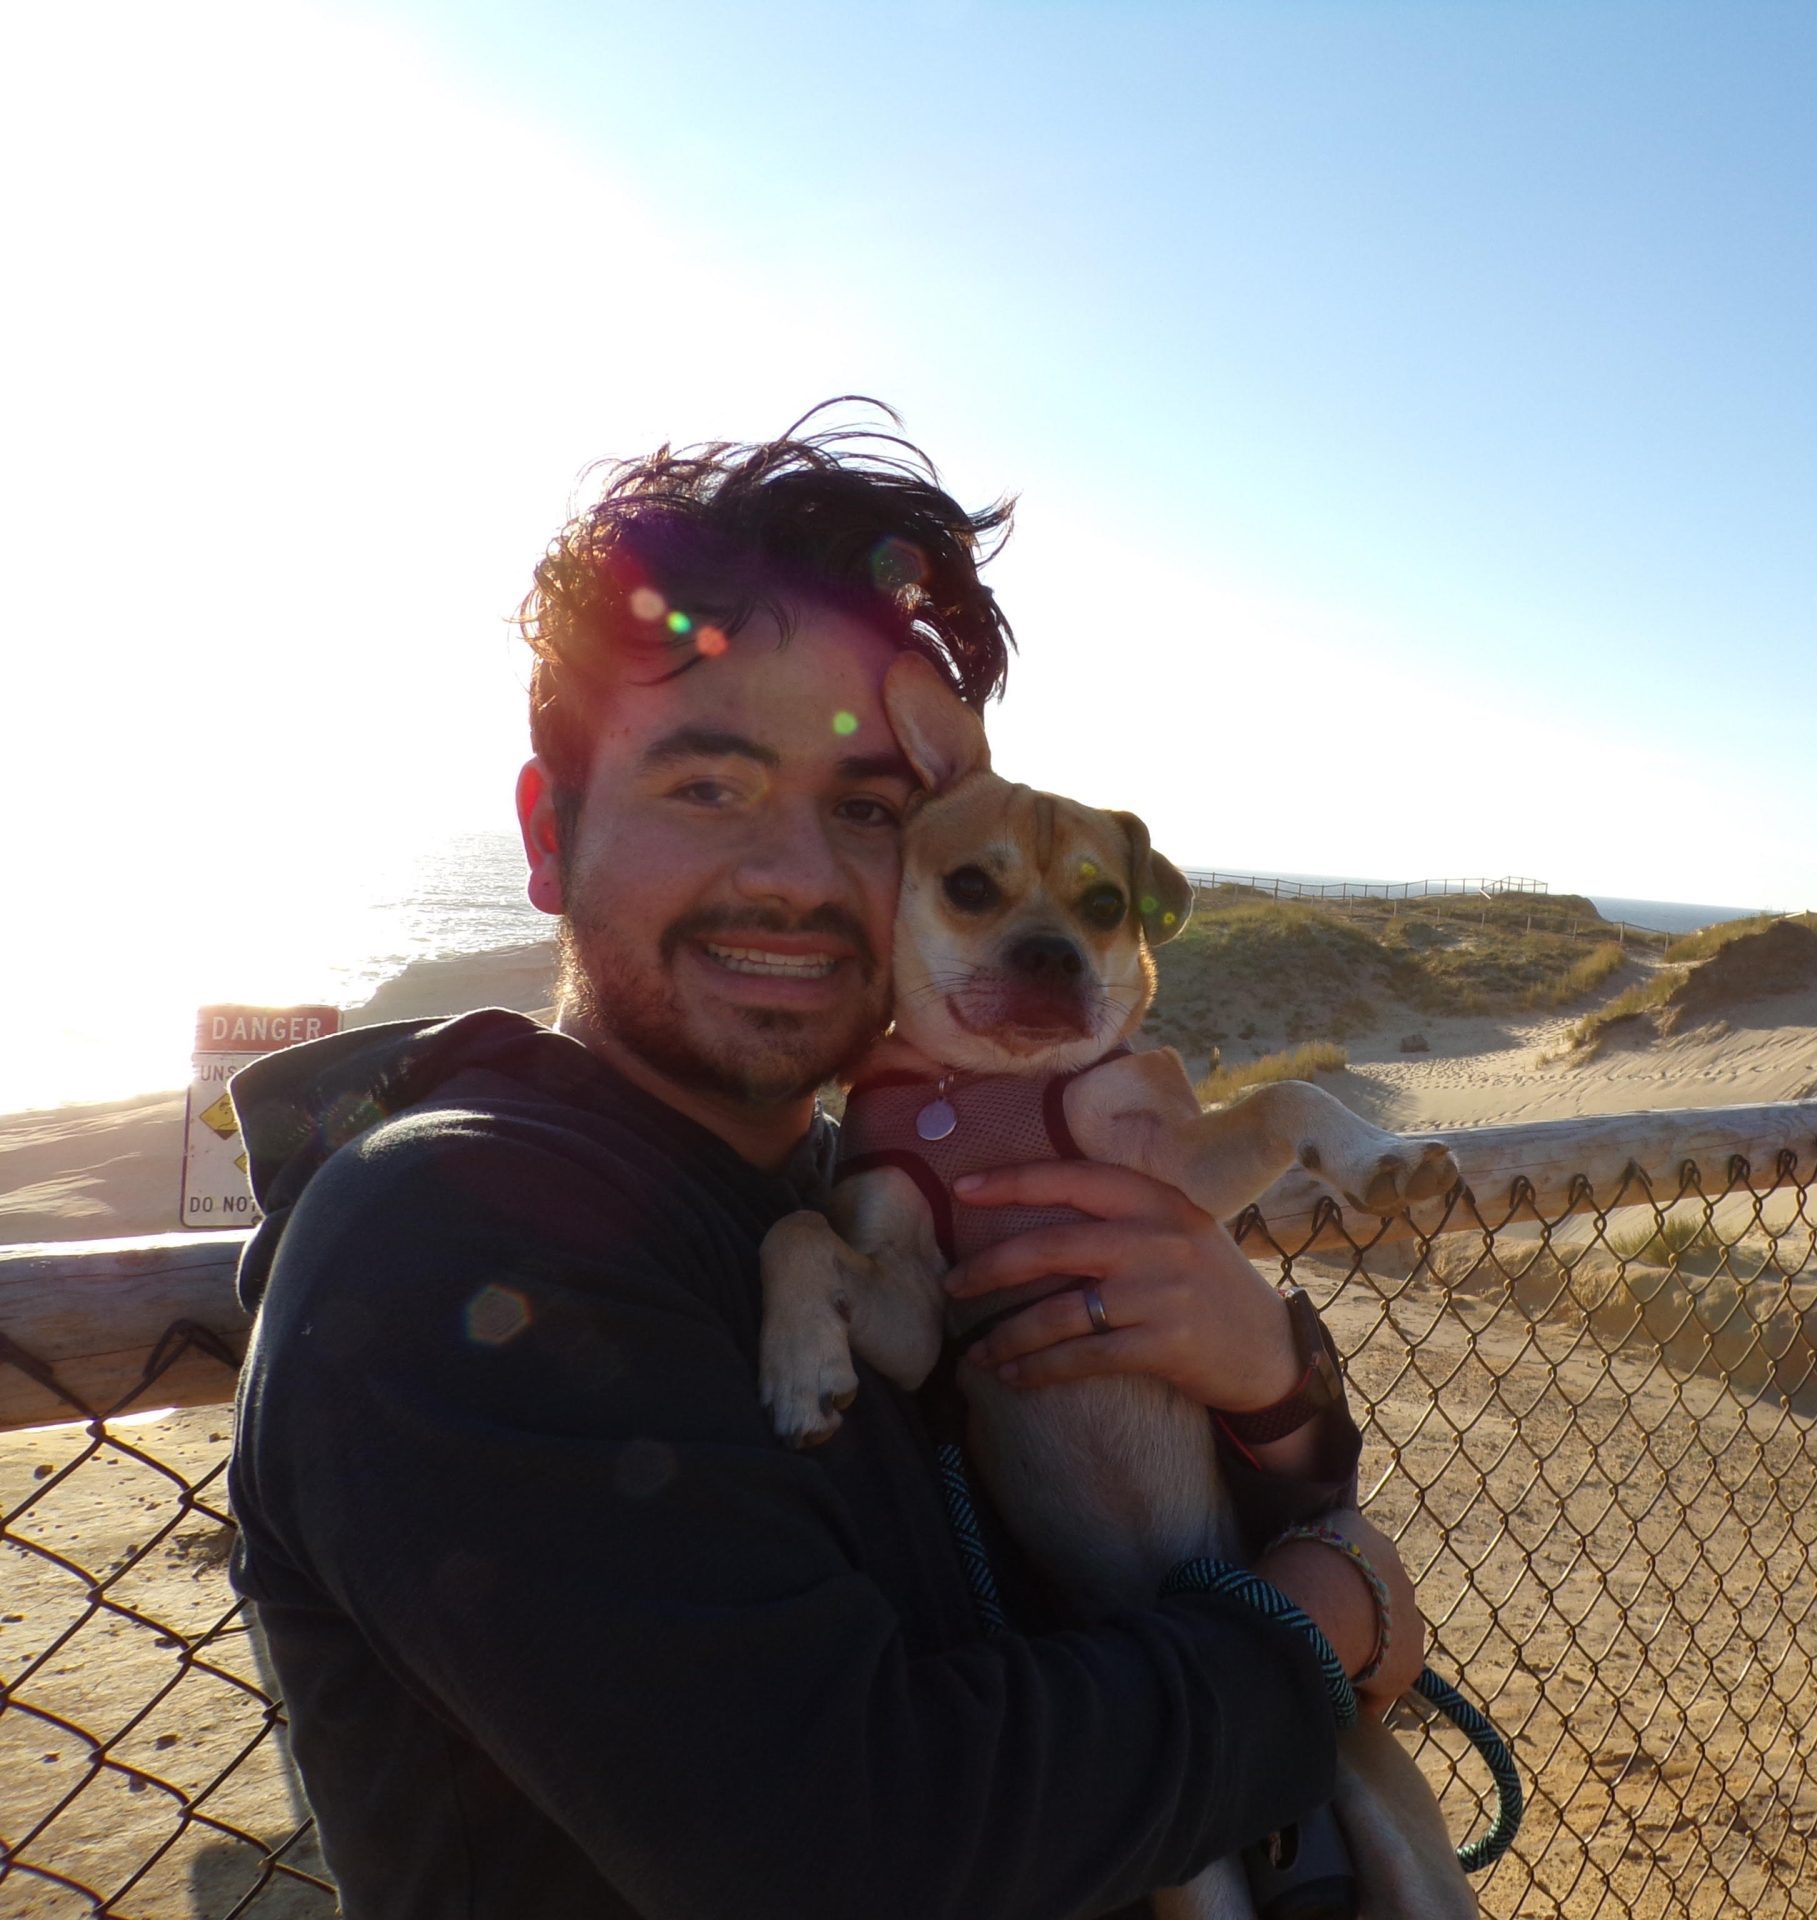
782 966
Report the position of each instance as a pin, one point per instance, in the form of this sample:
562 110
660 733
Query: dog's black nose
1046 956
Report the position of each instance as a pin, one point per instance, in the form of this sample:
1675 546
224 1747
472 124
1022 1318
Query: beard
758 1056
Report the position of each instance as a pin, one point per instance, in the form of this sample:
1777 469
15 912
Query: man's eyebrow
707 743
877 766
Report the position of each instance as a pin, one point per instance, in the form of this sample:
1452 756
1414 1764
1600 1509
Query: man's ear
542 846
1162 893
942 737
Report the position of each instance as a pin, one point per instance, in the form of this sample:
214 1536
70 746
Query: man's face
731 886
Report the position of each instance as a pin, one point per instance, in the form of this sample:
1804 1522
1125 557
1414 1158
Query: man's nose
790 859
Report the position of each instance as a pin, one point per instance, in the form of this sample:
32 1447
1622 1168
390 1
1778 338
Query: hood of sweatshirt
297 1106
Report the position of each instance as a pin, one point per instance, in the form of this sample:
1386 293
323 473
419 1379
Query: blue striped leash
1214 1576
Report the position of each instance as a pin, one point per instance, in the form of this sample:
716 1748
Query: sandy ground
1615 1549
1484 1071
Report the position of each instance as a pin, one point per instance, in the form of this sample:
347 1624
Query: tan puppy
1022 947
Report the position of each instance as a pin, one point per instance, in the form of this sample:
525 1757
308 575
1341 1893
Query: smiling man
738 960
561 1629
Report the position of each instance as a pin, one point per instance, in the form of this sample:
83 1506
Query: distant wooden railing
1280 889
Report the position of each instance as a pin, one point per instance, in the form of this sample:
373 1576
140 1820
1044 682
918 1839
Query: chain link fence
1595 1438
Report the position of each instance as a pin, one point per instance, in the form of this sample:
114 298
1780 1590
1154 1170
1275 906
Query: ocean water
104 1027
100 1029
1666 916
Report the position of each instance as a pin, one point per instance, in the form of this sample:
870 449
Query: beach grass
1295 1063
1669 1241
1248 965
1645 996
1706 941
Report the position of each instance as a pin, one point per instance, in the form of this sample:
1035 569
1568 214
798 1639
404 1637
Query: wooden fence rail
82 1321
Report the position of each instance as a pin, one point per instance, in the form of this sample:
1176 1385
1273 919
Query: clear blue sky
1498 315
1413 406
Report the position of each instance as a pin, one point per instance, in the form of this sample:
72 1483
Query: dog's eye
1103 907
971 889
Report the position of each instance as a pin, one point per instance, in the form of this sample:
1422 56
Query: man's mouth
773 965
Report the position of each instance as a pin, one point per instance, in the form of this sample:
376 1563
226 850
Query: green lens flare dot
1149 903
679 623
844 722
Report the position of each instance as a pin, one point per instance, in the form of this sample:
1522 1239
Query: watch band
1317 1390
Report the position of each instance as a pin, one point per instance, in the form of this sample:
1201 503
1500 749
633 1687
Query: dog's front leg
1140 1112
865 1282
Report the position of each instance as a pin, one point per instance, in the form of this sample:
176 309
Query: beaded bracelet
1378 1590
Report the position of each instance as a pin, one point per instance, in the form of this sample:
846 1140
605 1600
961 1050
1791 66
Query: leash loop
1216 1576
1480 1731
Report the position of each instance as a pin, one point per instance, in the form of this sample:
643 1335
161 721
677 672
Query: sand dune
1485 1071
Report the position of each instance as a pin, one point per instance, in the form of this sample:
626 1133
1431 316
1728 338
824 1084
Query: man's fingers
1093 1248
1061 1316
1088 1358
1111 1193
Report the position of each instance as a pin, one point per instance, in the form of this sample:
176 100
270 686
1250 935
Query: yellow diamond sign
215 1190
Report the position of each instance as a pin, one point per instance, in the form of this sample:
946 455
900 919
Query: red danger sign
215 1193
261 1029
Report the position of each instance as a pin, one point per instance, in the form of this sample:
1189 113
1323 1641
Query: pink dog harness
998 1120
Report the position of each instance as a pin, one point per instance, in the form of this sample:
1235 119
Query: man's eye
706 793
1104 908
971 889
867 813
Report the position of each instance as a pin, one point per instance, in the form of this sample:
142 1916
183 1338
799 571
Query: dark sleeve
541 1484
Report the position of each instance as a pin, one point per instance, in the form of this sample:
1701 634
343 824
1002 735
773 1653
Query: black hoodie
562 1630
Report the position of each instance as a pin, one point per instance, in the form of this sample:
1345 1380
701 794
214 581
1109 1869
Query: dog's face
1025 922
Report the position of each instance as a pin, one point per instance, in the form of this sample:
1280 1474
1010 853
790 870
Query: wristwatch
1318 1390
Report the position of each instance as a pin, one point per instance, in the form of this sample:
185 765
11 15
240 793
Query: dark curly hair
684 546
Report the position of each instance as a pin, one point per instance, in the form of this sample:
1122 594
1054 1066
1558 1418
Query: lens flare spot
648 604
496 1316
844 723
897 563
1088 869
711 641
679 622
1167 919
1149 903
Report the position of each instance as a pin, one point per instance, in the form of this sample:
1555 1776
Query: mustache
715 923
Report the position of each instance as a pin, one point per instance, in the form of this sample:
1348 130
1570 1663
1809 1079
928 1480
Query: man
560 1627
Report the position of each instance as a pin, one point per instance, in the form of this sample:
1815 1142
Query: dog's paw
804 1379
1401 1176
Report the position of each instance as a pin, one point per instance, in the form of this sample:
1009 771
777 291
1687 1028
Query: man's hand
1180 1301
1322 1583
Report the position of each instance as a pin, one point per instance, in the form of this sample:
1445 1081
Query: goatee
768 1057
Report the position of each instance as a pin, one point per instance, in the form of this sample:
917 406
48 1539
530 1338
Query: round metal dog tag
936 1120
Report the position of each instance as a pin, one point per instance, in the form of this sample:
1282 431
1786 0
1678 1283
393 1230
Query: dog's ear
1162 893
942 737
